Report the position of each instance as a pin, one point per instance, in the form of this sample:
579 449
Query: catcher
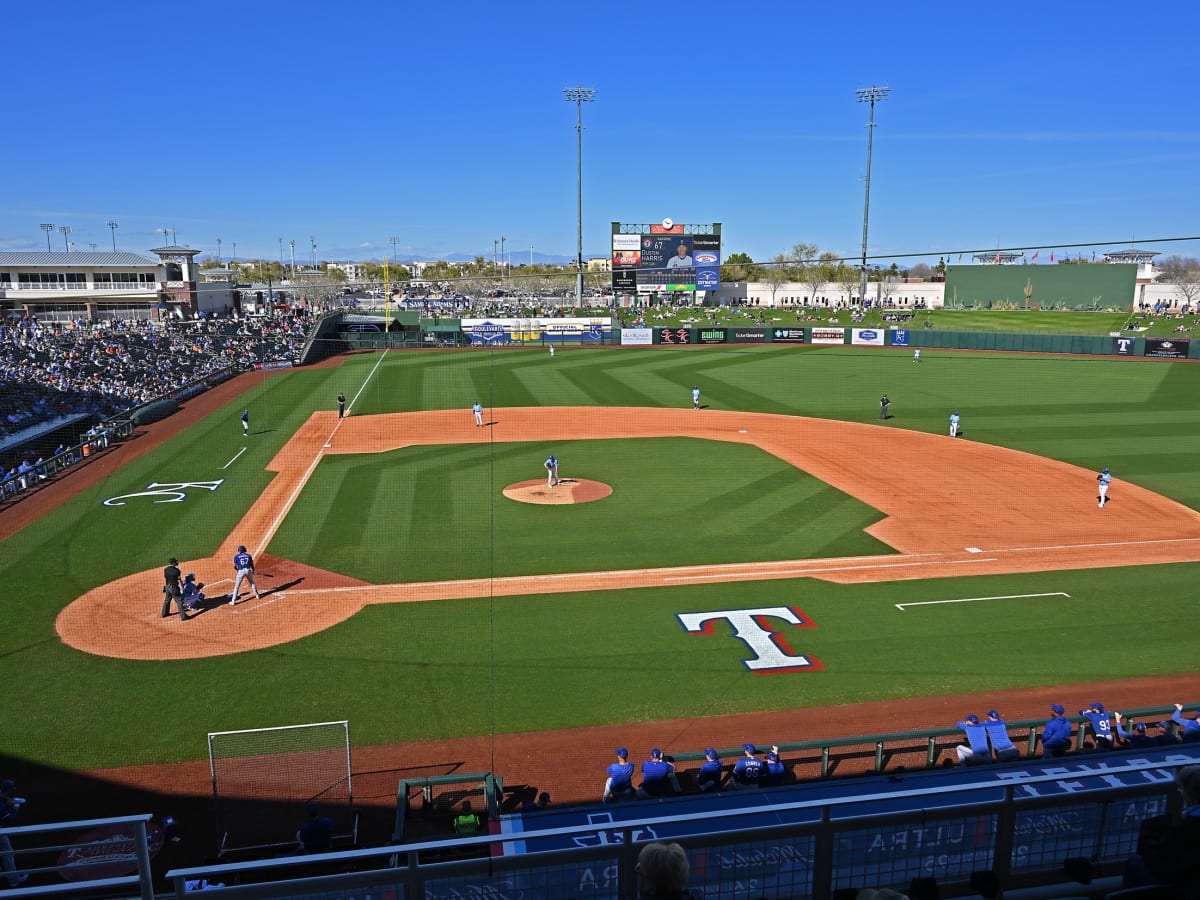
192 596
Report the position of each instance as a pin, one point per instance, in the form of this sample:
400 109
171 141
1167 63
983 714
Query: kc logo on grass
764 631
174 492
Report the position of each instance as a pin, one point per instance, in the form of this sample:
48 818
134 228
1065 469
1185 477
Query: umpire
172 590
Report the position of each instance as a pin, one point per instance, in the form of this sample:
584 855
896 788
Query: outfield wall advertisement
537 331
828 336
637 337
872 337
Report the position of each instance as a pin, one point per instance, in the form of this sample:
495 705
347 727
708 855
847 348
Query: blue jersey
243 561
1056 732
622 776
654 776
749 770
1101 726
976 737
1190 728
551 463
245 415
709 777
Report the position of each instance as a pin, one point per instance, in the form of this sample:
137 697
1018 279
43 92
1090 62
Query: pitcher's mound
569 490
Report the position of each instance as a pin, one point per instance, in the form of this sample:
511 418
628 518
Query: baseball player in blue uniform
243 564
696 397
192 596
1056 733
976 750
551 465
997 733
655 772
712 771
245 422
775 769
954 424
619 783
1104 479
1101 727
749 771
1138 737
10 805
477 409
1189 728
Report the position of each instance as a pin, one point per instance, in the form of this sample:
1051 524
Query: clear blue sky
444 124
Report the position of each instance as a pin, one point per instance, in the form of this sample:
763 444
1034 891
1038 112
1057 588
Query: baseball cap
622 751
172 561
710 753
992 714
190 576
973 719
1098 706
241 548
1106 468
655 753
749 748
544 797
772 756
1163 725
1057 708
1140 726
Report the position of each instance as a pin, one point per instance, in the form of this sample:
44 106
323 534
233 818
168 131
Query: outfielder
1104 479
477 409
954 424
243 562
696 397
551 465
245 422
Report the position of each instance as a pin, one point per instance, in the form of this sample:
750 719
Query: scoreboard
666 257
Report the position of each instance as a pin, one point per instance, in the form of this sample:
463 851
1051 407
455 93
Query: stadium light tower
219 261
870 95
579 96
112 226
64 230
47 227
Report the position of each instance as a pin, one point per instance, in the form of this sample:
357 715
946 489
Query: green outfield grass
414 671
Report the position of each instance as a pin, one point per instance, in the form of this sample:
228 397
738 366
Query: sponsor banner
708 279
626 258
750 335
900 337
828 336
662 229
274 364
109 851
636 337
521 331
673 336
1167 348
711 336
626 242
870 336
1123 346
787 336
709 243
624 280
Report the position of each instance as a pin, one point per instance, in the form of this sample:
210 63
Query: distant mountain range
357 254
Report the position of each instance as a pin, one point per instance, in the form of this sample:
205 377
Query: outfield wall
1041 287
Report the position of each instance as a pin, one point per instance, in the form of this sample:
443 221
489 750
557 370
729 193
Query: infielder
243 563
954 424
1104 479
696 397
478 410
551 465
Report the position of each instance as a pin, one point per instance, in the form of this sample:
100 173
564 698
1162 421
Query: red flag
1051 256
1035 255
997 259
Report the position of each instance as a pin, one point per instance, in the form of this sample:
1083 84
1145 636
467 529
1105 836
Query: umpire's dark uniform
172 590
341 405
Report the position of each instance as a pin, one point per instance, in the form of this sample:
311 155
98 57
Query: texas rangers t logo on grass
174 492
753 626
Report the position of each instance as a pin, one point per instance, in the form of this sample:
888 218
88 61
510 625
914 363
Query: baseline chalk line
901 606
235 456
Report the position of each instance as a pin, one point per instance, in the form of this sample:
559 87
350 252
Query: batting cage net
264 778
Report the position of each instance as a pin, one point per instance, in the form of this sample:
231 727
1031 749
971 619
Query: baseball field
776 565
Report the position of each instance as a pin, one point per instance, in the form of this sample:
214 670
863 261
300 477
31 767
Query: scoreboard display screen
667 259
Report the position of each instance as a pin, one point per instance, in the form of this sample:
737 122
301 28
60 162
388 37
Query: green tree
740 267
776 274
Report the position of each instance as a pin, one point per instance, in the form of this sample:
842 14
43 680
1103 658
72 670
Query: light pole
218 250
503 258
64 230
112 226
292 243
281 258
47 227
164 232
234 253
312 243
495 244
869 95
579 96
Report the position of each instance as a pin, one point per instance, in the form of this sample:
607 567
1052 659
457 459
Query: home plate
973 550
